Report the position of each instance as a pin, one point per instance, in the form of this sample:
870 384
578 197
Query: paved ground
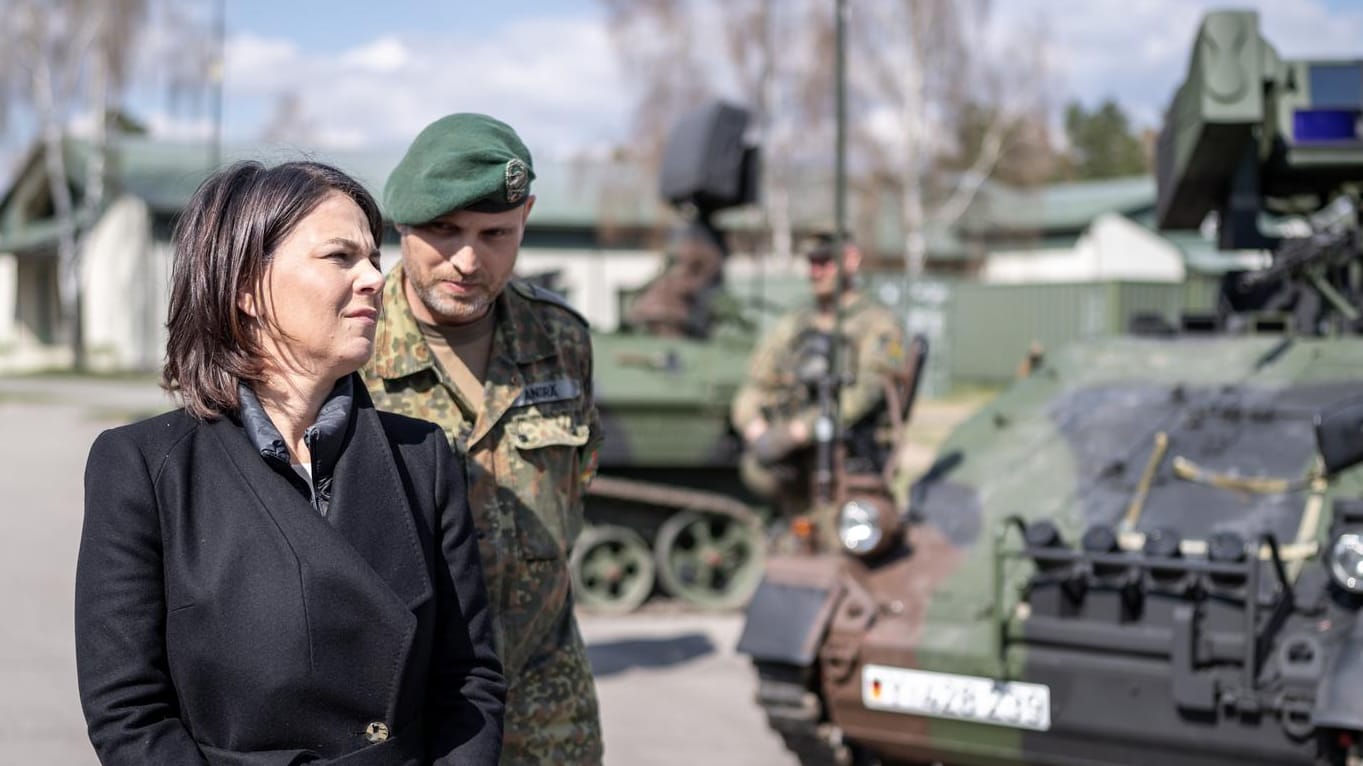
672 689
41 458
673 692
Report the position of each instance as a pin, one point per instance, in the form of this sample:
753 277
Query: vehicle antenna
826 427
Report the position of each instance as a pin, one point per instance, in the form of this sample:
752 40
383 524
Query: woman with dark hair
278 573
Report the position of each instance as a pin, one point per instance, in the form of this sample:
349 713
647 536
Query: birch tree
919 68
678 53
934 101
68 59
656 44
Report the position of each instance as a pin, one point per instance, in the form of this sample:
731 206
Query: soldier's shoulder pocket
557 430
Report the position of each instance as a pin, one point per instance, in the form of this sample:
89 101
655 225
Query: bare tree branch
972 179
924 76
67 43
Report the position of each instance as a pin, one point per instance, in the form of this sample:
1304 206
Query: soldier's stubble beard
447 309
825 295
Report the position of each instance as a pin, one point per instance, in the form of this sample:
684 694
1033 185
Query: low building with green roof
598 229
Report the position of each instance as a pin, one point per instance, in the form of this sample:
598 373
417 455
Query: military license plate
966 698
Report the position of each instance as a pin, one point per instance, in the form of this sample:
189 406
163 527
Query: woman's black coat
221 620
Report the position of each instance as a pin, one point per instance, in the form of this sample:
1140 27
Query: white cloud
342 138
9 164
174 128
257 65
158 123
386 55
82 124
1136 51
559 83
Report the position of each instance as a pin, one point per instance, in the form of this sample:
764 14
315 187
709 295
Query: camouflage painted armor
529 452
876 334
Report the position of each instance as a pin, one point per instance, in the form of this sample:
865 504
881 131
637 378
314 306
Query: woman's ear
246 301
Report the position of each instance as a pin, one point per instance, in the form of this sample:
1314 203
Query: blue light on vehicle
1325 125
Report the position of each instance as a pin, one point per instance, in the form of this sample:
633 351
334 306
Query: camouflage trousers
551 709
785 484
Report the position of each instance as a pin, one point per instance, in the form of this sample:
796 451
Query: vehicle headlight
867 526
1346 561
859 527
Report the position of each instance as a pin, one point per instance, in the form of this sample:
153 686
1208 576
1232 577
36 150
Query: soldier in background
1032 361
774 411
679 302
506 369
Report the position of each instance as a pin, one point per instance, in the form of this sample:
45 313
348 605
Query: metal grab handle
1255 642
1256 638
1000 612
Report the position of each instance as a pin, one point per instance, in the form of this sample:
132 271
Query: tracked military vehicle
667 511
1150 551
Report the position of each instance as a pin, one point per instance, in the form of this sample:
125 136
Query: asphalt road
672 689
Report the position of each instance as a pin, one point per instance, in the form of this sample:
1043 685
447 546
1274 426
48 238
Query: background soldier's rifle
1316 277
1285 140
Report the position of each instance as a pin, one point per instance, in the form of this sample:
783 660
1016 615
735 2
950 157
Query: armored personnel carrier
1150 551
667 511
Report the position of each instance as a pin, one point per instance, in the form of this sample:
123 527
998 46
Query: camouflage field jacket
871 329
530 450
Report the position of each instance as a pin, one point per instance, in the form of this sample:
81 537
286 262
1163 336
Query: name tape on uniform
548 391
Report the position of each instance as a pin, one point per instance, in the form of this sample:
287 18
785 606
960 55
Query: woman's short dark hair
224 239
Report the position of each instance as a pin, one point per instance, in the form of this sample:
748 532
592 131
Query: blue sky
322 25
373 73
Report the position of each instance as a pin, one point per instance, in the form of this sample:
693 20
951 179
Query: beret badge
517 180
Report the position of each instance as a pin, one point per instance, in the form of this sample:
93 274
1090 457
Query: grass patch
971 393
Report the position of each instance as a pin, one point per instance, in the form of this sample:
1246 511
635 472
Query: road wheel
709 560
612 569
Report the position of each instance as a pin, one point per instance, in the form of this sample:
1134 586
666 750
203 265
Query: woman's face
321 294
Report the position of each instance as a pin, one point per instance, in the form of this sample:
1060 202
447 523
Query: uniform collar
852 300
855 301
400 349
524 335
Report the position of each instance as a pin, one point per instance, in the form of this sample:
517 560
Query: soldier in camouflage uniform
506 369
775 413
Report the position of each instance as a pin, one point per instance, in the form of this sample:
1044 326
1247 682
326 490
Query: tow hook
839 658
1295 715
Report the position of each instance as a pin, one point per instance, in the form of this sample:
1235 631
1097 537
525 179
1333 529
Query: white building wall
159 257
34 336
126 277
591 280
124 288
9 285
1112 248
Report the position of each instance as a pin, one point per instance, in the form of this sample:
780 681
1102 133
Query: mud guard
1338 703
787 616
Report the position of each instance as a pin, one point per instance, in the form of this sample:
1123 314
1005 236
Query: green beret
461 161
